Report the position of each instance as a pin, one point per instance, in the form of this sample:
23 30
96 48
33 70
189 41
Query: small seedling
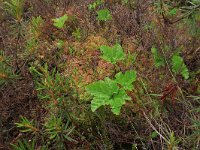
104 15
58 130
26 126
26 145
158 59
60 22
173 142
94 5
179 67
172 12
77 34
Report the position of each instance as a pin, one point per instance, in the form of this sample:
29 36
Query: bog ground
99 75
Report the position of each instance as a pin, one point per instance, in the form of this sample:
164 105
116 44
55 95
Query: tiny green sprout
77 34
25 125
112 54
172 12
95 4
104 15
60 22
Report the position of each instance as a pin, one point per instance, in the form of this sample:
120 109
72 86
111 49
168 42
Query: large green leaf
118 101
126 79
106 87
108 92
179 67
112 54
104 15
60 22
102 92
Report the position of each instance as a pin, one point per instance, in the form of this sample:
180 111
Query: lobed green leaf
112 54
126 79
179 67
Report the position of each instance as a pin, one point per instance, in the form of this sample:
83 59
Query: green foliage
108 92
36 24
67 115
25 145
158 59
94 5
102 91
179 67
25 125
60 22
173 142
33 36
77 34
57 130
51 86
104 15
15 8
112 54
125 2
126 80
154 134
172 12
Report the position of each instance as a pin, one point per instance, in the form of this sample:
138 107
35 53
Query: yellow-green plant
104 15
173 142
60 22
